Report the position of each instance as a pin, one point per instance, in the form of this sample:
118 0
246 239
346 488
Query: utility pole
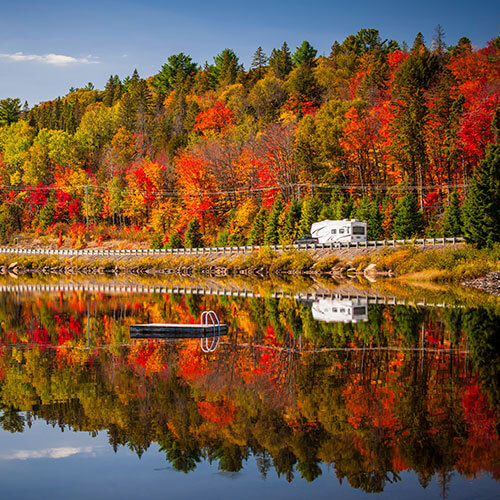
87 206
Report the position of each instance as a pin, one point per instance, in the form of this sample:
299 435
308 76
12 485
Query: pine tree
272 235
291 228
259 62
408 220
109 91
175 241
482 205
47 213
304 54
341 204
311 208
226 67
362 211
387 217
280 62
193 237
10 109
258 230
452 218
374 222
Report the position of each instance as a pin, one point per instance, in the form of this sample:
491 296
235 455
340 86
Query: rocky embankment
489 283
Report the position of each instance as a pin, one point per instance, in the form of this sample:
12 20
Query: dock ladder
210 344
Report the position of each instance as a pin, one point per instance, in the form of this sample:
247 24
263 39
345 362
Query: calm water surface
315 397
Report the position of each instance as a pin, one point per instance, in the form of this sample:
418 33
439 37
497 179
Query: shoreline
462 265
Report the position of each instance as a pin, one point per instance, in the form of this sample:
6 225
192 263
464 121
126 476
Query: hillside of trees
405 138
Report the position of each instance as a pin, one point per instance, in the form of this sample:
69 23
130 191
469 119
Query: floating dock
176 331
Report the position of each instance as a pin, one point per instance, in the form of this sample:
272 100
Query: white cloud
55 59
63 452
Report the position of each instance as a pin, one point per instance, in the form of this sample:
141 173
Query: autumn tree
415 76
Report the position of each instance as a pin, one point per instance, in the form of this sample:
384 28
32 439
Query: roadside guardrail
139 252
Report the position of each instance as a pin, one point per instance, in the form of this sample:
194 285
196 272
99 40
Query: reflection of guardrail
157 288
230 249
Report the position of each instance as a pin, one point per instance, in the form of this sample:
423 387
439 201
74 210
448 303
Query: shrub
77 234
327 264
156 241
360 262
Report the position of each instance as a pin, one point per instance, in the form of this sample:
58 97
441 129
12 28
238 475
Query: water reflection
402 389
340 310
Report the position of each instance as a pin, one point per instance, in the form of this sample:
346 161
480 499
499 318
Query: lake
319 390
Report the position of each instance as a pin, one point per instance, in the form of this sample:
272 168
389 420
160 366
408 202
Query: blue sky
48 47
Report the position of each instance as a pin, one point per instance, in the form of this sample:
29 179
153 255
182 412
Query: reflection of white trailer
340 310
333 231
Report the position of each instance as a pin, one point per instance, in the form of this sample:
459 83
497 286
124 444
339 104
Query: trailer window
334 231
358 230
341 231
359 310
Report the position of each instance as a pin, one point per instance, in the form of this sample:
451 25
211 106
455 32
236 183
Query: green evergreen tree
292 224
226 67
326 213
175 241
10 109
311 208
222 238
452 218
304 54
156 241
482 205
362 211
272 234
174 73
341 204
46 214
258 230
259 62
408 220
374 222
193 237
280 62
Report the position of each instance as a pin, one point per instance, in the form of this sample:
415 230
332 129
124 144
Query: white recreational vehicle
340 310
333 231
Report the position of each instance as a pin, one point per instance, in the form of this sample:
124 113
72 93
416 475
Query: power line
232 192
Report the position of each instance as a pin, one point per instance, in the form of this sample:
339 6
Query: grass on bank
410 263
449 264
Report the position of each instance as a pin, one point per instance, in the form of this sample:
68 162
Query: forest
404 138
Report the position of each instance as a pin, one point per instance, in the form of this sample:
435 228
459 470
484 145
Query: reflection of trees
294 393
482 327
11 420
